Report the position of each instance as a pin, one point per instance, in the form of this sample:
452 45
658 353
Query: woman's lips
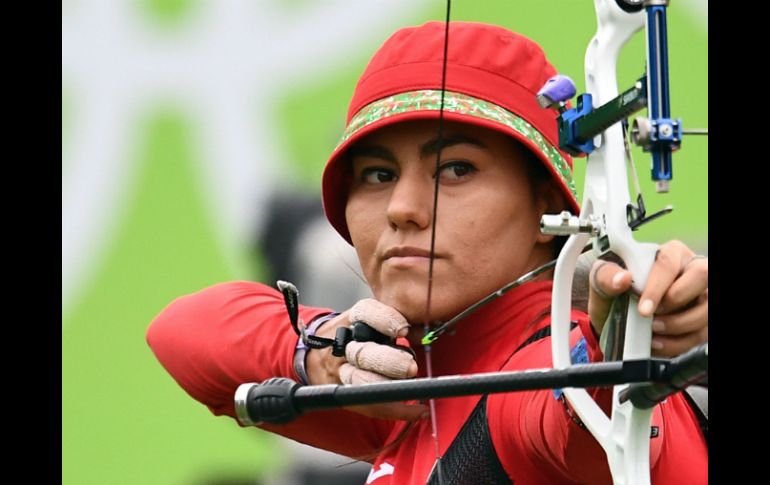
405 252
407 256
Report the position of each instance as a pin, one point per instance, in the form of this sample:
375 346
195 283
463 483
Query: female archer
499 170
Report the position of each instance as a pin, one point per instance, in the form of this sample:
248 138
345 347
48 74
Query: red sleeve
542 444
546 445
232 333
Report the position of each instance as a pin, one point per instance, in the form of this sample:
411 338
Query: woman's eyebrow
372 151
431 147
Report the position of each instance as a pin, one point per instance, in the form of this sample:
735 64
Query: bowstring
437 178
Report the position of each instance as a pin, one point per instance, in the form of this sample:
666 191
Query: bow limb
625 436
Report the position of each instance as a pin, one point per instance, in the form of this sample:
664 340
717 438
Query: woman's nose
411 202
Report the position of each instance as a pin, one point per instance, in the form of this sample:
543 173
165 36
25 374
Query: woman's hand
676 294
367 361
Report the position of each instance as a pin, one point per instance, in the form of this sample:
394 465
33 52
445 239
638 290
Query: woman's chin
414 308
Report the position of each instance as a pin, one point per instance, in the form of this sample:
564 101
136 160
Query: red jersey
214 340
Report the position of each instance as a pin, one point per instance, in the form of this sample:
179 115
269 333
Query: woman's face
488 220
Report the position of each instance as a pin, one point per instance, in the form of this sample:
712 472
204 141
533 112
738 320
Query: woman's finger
380 317
382 359
673 345
350 374
688 287
669 263
606 281
683 322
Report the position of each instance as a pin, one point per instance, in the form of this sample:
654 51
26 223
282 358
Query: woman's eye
456 170
377 175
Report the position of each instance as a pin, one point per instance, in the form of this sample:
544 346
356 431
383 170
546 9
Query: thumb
607 280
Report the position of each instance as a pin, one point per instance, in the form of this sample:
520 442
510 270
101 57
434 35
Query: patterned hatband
428 100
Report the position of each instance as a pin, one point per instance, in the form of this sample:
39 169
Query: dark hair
538 176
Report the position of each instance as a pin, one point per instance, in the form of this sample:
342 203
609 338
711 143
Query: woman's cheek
364 237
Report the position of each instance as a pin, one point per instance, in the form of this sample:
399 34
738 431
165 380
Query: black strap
541 334
698 398
471 458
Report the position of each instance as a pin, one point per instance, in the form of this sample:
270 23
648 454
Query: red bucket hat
492 78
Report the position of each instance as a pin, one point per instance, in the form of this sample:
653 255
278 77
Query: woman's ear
549 201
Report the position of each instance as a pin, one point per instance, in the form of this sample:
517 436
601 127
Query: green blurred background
135 147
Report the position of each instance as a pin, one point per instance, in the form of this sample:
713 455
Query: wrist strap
307 337
307 340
